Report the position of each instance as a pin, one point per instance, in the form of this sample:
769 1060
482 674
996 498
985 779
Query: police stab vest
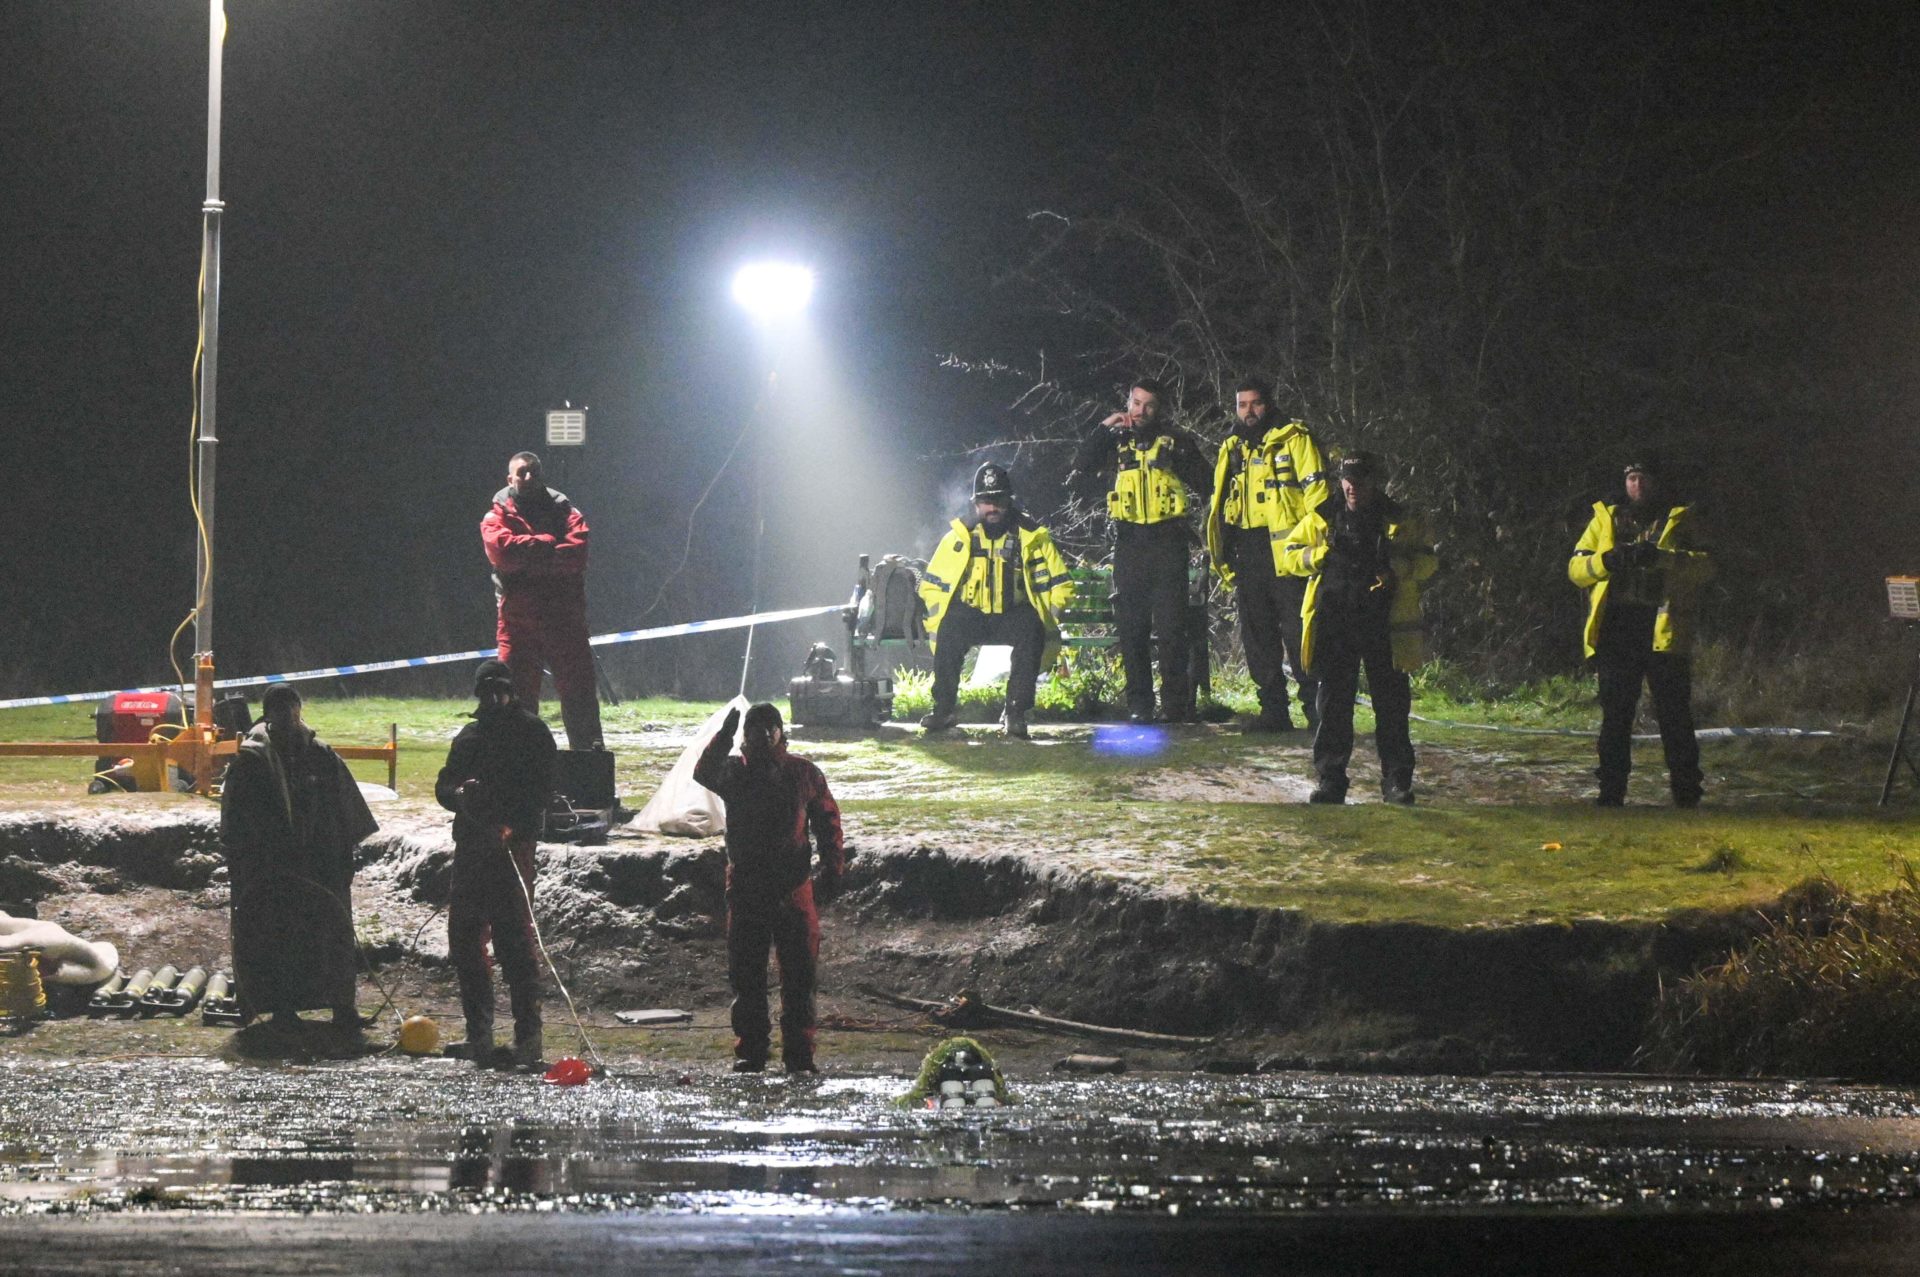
1251 487
994 582
1145 488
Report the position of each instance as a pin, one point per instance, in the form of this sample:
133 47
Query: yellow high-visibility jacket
1282 479
963 565
1684 570
1410 554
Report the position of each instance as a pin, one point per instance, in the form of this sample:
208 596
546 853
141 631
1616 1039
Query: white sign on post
566 428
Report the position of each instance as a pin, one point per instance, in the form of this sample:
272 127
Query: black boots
527 1035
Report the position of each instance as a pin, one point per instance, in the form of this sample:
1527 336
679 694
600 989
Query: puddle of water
388 1135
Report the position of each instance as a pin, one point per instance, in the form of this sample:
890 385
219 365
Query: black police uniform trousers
1149 604
1269 608
1621 669
1338 660
966 627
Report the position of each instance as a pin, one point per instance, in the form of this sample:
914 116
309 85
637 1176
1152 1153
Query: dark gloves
478 801
729 724
1346 557
826 888
1631 556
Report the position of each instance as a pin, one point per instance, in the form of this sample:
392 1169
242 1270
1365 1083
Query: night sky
445 218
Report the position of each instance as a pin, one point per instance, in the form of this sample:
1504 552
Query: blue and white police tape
445 658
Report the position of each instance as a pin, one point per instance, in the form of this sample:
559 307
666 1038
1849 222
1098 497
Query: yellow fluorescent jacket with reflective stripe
965 561
1283 479
1411 555
1684 570
1145 488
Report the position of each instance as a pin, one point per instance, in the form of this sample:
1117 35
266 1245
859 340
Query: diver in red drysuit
773 798
536 541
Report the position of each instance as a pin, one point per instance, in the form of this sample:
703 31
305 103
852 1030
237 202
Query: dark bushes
1831 987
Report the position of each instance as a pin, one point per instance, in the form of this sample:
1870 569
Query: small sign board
1903 597
566 427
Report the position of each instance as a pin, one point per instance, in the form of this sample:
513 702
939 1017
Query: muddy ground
639 924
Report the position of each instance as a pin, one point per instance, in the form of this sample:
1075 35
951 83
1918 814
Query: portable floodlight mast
208 440
772 293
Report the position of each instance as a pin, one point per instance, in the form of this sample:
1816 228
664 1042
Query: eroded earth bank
639 924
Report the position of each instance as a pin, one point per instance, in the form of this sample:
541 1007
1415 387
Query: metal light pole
770 292
210 212
759 535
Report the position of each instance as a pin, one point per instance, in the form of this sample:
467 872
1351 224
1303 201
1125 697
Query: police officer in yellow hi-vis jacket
1152 463
1641 568
1265 480
1365 558
997 578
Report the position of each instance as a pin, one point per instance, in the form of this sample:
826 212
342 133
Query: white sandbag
682 805
78 961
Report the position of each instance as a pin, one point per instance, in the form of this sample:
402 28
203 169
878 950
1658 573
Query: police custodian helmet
992 481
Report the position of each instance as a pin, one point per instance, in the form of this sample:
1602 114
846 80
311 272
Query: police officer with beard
1149 464
998 579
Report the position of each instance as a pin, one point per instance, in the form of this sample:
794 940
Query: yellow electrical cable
173 658
202 540
22 996
193 453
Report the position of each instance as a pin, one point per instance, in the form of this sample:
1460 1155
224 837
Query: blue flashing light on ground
1127 740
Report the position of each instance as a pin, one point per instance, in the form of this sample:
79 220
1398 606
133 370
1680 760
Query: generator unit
129 718
134 718
821 696
583 798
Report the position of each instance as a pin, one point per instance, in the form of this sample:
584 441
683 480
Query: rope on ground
527 895
880 1024
346 909
1704 733
966 1010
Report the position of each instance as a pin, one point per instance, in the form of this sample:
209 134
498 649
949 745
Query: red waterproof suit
771 804
538 549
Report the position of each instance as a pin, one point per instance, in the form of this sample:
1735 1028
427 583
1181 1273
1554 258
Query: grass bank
1503 833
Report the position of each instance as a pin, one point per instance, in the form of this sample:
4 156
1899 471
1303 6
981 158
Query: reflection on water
391 1135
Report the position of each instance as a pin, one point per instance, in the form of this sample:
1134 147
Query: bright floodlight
769 290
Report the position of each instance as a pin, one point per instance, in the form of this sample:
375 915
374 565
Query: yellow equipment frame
194 750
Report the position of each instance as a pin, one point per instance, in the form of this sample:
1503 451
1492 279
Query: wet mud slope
640 923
